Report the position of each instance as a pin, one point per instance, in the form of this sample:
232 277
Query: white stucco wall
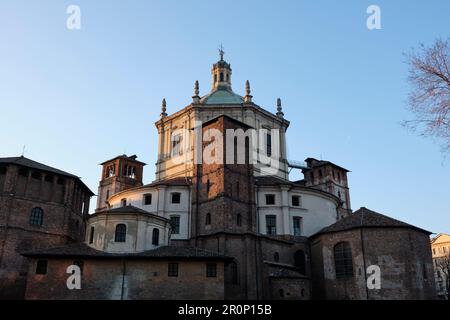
316 210
161 204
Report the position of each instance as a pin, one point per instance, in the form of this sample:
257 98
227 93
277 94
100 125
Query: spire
196 97
248 97
221 52
163 108
279 109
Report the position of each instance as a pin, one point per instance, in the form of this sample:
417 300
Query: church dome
222 96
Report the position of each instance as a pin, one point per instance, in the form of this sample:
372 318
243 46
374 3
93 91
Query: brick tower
118 174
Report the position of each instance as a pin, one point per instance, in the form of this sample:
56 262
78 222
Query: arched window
208 219
300 261
155 237
221 77
234 273
276 257
37 217
121 233
239 220
343 261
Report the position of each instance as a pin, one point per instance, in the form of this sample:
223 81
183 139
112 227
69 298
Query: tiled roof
222 97
365 218
318 163
129 209
181 181
28 163
81 250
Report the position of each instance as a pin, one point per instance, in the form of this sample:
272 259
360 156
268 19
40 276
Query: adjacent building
440 246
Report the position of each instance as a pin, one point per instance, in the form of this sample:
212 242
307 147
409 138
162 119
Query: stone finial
196 97
279 109
248 97
164 108
196 88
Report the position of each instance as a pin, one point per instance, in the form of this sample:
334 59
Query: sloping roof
181 181
124 156
222 96
28 163
365 218
81 250
319 163
129 209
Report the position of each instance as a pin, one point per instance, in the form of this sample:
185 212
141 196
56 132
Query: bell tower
221 73
118 174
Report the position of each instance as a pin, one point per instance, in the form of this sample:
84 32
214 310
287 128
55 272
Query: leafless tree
442 264
429 99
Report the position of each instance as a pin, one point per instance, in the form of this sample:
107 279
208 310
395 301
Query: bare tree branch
429 99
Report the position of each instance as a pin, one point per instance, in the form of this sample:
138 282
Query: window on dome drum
176 197
176 145
343 261
148 199
41 267
208 219
172 269
175 224
91 235
211 270
271 224
234 273
300 261
296 201
123 202
221 77
155 237
37 217
80 264
239 220
269 144
270 199
297 223
121 233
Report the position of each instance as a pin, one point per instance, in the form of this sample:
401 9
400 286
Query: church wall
403 256
62 224
127 280
139 232
316 211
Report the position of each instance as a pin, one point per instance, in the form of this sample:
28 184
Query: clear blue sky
76 98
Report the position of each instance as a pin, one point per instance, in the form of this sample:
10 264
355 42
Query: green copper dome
222 96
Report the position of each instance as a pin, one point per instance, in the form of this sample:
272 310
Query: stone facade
126 279
401 252
63 201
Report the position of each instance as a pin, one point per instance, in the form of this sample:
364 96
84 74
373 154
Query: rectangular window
91 235
269 144
172 270
270 199
175 223
176 145
297 226
271 225
296 201
123 202
211 270
41 267
148 199
176 197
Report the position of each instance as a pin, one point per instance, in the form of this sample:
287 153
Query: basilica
221 220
